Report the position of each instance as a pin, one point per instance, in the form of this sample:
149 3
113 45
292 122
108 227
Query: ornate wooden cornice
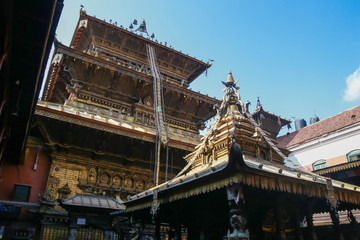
103 126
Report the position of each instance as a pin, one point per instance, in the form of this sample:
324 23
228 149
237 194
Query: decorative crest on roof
142 27
230 81
258 105
232 100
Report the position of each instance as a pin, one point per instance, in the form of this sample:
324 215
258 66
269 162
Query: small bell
152 36
135 22
131 26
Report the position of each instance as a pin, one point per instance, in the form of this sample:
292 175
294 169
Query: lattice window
55 232
353 155
89 233
319 165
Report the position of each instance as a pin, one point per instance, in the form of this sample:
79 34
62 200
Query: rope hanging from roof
162 136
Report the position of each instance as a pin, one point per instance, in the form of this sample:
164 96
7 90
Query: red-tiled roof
328 125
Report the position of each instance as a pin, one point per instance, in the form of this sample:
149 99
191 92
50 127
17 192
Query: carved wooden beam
46 135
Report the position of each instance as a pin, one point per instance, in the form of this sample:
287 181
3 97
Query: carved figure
92 175
72 234
116 180
104 178
238 222
82 175
53 185
139 184
64 191
128 182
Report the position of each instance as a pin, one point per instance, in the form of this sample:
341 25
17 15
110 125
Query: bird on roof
247 105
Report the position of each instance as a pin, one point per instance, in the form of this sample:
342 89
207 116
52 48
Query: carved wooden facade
96 117
97 113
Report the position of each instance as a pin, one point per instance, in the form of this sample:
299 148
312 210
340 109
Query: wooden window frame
353 153
319 164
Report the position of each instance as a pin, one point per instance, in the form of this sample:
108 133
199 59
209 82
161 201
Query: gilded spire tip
230 78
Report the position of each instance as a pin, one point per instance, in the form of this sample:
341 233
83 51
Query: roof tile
326 126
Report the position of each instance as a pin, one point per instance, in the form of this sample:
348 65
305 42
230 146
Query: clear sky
300 57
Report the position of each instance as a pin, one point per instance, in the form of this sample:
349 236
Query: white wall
332 145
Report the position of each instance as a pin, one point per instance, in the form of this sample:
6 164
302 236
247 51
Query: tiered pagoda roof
269 122
234 151
106 70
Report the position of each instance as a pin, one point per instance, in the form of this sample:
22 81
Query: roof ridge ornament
142 27
230 82
258 105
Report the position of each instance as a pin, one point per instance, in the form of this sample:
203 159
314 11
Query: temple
97 119
116 117
101 89
113 149
236 186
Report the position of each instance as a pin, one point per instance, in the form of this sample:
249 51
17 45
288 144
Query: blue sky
299 57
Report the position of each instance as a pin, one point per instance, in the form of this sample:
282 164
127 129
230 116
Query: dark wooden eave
238 168
131 132
29 28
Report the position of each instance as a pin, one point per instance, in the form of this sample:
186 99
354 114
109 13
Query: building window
319 165
21 192
353 156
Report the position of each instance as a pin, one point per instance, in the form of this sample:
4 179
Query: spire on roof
230 81
231 109
231 104
258 105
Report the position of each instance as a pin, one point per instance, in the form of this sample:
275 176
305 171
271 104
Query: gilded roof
220 160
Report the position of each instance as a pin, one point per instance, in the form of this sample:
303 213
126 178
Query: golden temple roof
229 153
